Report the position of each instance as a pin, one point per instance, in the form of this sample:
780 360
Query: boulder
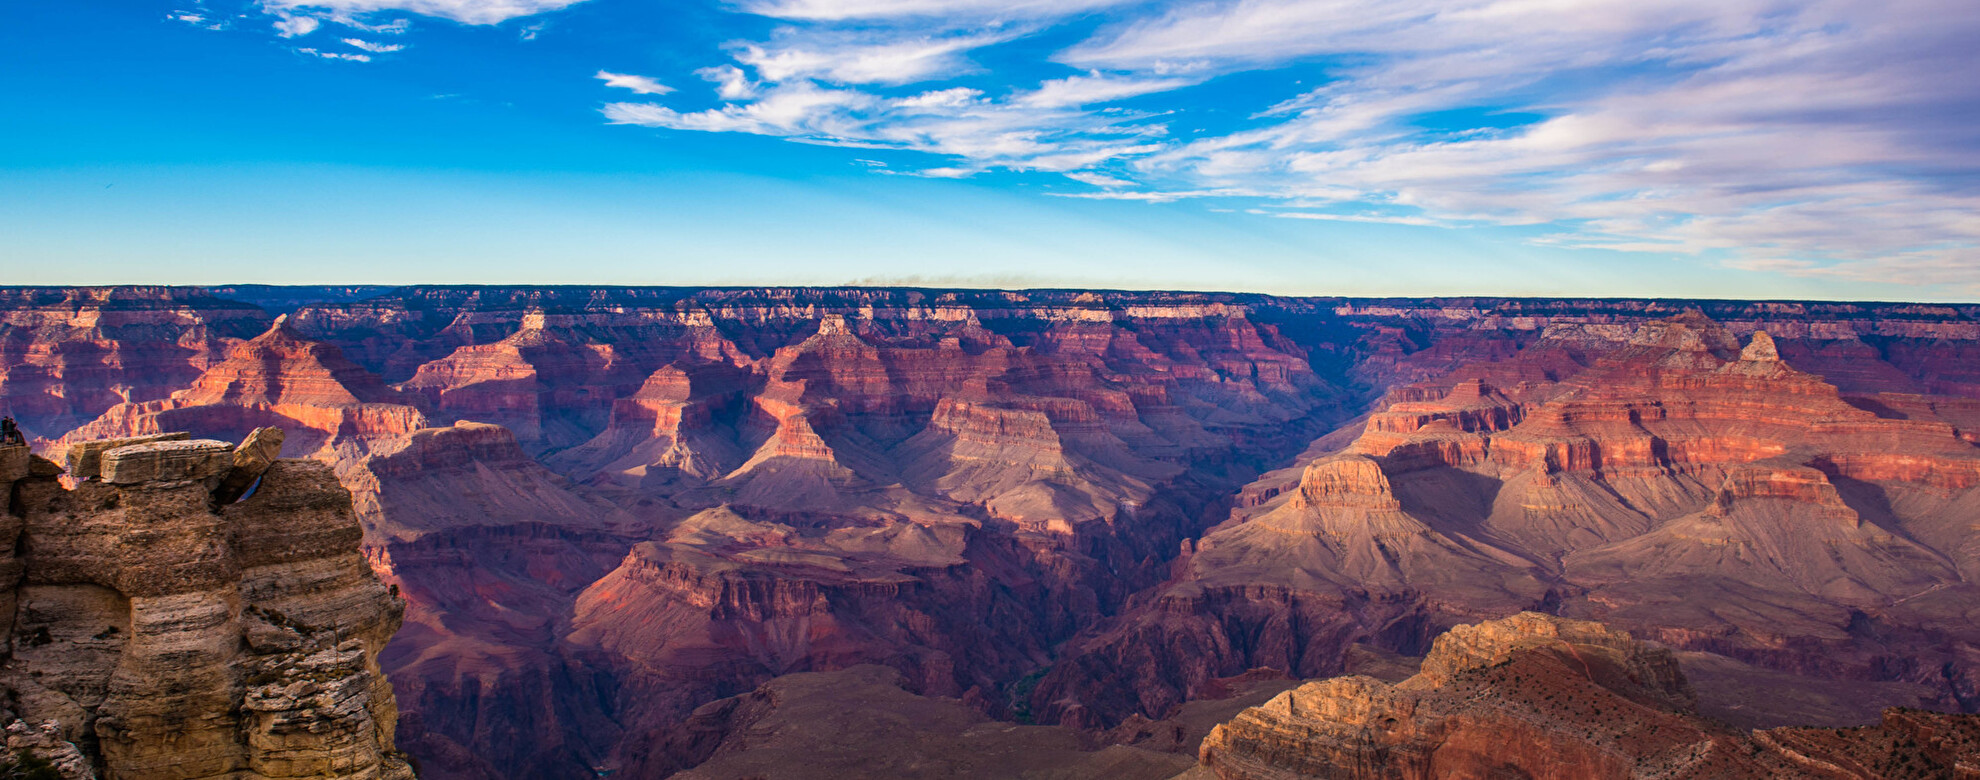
85 458
251 459
166 461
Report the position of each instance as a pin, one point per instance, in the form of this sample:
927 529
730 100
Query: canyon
648 531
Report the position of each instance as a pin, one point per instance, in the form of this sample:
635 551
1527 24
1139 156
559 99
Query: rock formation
1542 697
66 355
608 507
163 626
1658 476
280 379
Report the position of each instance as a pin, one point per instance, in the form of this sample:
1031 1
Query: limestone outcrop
193 609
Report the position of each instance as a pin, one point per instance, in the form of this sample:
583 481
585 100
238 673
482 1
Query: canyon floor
834 532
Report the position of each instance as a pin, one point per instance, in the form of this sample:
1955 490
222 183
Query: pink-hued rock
276 379
1672 470
1544 697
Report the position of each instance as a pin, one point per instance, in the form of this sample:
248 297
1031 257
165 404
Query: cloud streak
476 12
641 84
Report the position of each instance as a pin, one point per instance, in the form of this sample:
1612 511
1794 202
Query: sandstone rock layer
164 627
1543 697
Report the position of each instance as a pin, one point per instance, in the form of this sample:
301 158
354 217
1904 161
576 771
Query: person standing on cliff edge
10 433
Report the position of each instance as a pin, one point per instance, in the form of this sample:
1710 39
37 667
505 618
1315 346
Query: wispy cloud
336 55
1097 88
198 17
1158 196
830 84
1369 218
1098 179
980 132
375 48
946 9
641 84
393 27
463 11
862 60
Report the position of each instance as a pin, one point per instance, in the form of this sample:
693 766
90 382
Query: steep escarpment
1667 479
277 378
488 548
947 510
162 627
68 354
1545 697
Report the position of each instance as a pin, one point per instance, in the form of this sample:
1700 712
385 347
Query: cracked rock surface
160 627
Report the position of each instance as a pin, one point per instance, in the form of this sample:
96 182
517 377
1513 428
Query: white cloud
394 27
198 19
1370 218
731 83
640 84
332 55
942 99
463 11
375 48
950 9
980 132
295 26
854 61
1096 88
1155 196
798 110
1098 179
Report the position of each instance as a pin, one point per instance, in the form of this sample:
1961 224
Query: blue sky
1703 148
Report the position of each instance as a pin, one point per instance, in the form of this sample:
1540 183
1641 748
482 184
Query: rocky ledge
191 609
1538 696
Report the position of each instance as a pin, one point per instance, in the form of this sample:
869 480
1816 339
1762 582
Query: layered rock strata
166 627
748 483
1668 479
1543 697
67 354
278 378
